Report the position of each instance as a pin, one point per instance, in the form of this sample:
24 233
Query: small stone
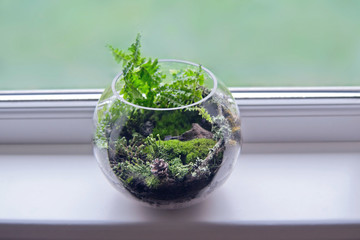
195 132
167 138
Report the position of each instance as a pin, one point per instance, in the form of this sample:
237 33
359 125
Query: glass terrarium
174 153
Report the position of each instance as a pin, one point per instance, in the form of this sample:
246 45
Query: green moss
128 172
154 149
178 170
181 157
187 151
173 123
152 181
129 180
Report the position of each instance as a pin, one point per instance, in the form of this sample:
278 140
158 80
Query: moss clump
178 170
187 151
152 181
131 173
173 123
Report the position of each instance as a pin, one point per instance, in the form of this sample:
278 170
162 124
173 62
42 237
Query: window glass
47 44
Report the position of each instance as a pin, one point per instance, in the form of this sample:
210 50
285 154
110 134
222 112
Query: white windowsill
281 189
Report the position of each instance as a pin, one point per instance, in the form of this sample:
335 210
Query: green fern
202 112
119 55
183 90
143 81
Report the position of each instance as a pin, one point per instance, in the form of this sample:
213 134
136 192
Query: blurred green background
47 44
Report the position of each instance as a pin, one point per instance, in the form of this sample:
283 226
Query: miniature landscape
164 156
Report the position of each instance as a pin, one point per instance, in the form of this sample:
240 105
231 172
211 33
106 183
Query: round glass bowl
168 157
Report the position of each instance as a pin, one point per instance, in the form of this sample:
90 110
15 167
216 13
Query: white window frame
268 115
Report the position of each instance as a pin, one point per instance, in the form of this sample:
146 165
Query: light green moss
187 151
172 123
179 170
152 181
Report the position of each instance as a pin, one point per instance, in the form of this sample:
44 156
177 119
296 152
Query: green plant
154 148
123 150
178 170
221 128
143 81
202 112
136 172
152 181
173 123
187 151
141 77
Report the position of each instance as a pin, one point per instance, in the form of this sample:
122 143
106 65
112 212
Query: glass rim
213 90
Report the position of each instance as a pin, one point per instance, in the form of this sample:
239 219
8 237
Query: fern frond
119 55
135 50
142 80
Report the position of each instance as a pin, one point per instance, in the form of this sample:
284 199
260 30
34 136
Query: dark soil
171 190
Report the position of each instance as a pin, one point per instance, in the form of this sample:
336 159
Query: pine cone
159 168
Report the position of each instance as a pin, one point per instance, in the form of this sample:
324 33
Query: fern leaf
119 55
135 50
